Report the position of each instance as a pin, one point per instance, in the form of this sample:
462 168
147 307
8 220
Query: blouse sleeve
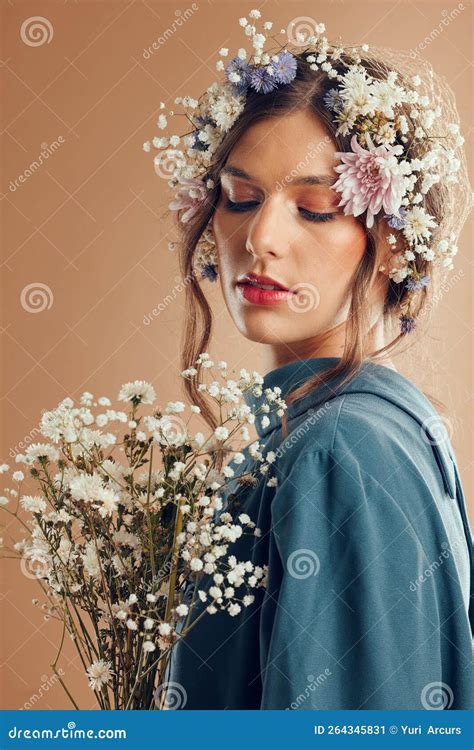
341 627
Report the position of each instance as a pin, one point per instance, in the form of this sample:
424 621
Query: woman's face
272 222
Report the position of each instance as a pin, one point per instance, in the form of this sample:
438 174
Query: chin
265 331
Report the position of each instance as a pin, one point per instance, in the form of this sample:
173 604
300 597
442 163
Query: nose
268 229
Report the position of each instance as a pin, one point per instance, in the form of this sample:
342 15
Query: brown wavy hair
305 92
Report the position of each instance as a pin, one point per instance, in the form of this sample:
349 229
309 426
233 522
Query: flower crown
379 173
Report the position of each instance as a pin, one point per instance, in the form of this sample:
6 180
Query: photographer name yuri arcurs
382 729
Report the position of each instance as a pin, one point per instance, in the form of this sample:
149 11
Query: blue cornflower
209 272
200 122
413 285
197 144
261 80
285 67
396 222
332 100
237 65
407 323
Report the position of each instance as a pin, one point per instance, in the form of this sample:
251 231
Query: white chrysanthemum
100 673
226 108
33 503
355 91
86 487
39 450
139 390
418 224
108 501
90 559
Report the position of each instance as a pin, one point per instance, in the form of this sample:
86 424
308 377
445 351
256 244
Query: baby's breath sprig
128 509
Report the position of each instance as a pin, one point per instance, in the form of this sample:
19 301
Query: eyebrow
322 179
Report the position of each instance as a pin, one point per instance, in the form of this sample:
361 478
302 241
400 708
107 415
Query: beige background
87 225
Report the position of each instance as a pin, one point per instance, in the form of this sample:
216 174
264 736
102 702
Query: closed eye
248 205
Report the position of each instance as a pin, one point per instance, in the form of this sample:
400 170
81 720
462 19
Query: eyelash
246 206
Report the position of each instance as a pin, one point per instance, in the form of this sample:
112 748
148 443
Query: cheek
227 235
342 247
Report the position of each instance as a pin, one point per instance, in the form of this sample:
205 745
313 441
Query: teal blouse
368 603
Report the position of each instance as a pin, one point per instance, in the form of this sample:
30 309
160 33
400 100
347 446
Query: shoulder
355 422
360 446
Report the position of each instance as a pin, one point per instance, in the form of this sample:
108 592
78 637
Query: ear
389 245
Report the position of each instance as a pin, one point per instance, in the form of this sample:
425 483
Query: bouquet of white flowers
114 535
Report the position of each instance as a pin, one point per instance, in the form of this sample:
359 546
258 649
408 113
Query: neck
329 344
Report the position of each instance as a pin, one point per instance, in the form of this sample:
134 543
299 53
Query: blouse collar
371 378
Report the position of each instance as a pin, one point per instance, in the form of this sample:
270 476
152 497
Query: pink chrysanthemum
369 179
190 197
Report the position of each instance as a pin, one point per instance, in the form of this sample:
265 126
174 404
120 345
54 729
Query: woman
364 524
